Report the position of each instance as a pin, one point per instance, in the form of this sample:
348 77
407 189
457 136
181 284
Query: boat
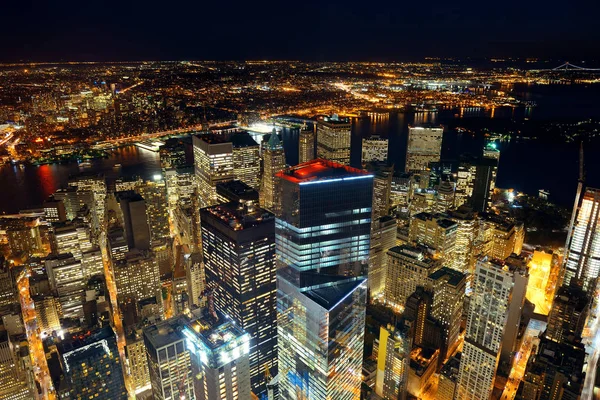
117 166
85 164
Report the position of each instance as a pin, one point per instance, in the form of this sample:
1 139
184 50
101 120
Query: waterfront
526 166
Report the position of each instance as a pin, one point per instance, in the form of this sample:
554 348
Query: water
524 166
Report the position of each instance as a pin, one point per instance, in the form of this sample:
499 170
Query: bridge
567 66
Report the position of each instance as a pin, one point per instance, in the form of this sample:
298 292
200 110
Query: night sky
313 31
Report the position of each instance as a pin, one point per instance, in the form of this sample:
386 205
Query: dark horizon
308 31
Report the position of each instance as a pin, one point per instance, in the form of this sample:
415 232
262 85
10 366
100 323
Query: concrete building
333 139
424 147
273 162
407 268
383 238
569 312
437 232
306 145
393 358
374 148
213 163
246 159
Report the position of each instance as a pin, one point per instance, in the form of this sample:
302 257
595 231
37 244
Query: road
117 320
36 348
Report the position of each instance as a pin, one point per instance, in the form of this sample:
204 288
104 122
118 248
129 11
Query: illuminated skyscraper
383 238
322 241
466 234
424 147
582 258
407 268
67 281
444 200
220 352
135 351
306 146
8 290
154 194
246 159
137 276
393 360
273 162
437 232
333 139
213 162
382 184
569 312
169 361
92 367
487 319
448 287
475 183
374 148
12 384
238 244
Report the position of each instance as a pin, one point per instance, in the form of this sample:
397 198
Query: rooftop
236 190
454 277
329 295
321 170
243 139
212 138
239 216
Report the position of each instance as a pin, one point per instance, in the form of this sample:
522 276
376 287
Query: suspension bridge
567 66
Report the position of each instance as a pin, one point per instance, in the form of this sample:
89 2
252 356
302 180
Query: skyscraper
486 323
91 365
437 232
582 258
306 145
154 194
444 200
12 384
273 162
383 238
393 360
448 287
169 361
407 268
134 219
374 148
333 139
322 241
476 182
238 244
220 358
213 162
246 159
382 185
568 313
424 147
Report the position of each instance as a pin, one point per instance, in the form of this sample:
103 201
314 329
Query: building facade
333 139
424 147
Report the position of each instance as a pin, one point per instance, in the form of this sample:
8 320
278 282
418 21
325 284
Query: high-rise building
91 365
486 325
502 235
8 291
220 358
67 281
181 186
322 238
169 361
154 194
91 187
467 229
238 244
476 181
382 185
374 148
407 268
246 159
273 162
213 162
424 147
46 313
172 154
137 364
306 145
448 287
555 372
444 200
54 210
436 232
134 219
582 258
194 268
393 360
569 312
448 379
333 139
383 238
13 385
137 276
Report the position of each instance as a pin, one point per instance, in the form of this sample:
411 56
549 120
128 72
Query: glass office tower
322 240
